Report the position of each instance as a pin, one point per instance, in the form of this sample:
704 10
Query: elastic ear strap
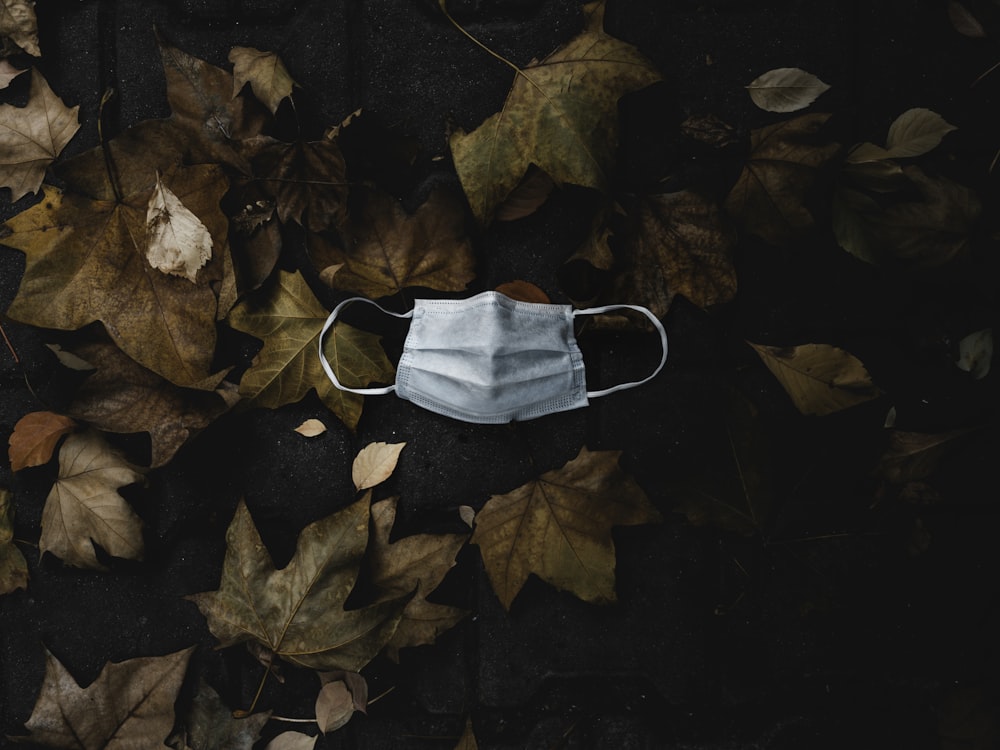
326 365
663 345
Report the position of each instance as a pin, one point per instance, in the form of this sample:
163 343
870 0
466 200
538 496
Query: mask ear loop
326 365
663 345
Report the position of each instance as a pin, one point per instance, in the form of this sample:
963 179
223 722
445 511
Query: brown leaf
786 90
8 73
342 694
964 22
18 22
913 456
533 190
84 507
256 239
375 463
31 137
389 250
309 183
265 72
13 566
124 397
561 114
35 437
311 428
523 291
298 612
681 244
415 563
211 725
710 130
86 262
768 197
468 739
559 527
819 378
129 705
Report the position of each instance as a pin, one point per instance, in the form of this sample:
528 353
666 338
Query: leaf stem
109 164
26 543
290 720
260 689
444 9
17 361
381 695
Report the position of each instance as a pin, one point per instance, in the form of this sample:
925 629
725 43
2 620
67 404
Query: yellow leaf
375 463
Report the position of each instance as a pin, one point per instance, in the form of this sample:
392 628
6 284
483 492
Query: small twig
444 9
10 346
291 720
109 164
381 695
26 543
993 67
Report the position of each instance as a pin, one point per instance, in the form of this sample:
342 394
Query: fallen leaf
8 73
529 195
468 739
35 437
176 241
768 198
375 463
819 378
70 360
123 396
710 130
298 612
559 527
210 725
289 321
524 291
311 428
308 181
84 508
785 90
292 741
266 74
342 694
388 250
416 563
31 137
13 566
468 514
913 456
914 133
19 24
964 22
561 115
680 244
86 262
129 705
975 353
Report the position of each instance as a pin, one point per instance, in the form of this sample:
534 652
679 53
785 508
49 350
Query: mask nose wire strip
326 365
663 345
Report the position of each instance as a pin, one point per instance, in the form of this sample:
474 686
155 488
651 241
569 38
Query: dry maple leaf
468 739
266 74
819 378
86 262
768 197
176 240
375 463
13 566
129 706
389 250
681 244
289 322
31 137
19 24
561 114
308 181
414 563
559 528
210 725
35 437
298 612
123 396
84 508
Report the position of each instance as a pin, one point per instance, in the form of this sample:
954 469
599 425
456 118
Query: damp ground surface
847 617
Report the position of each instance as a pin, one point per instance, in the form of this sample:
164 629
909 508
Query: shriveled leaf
311 428
561 114
680 244
31 137
8 73
388 250
785 90
18 23
129 705
468 514
124 397
524 291
309 183
913 456
414 563
559 528
975 353
964 22
915 132
84 507
819 378
298 612
265 72
13 566
289 321
468 739
86 262
292 741
338 699
375 463
35 437
768 198
709 129
211 725
176 240
533 190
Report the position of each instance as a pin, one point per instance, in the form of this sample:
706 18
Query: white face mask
490 359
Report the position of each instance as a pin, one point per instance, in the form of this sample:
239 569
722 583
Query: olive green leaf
13 566
561 115
914 133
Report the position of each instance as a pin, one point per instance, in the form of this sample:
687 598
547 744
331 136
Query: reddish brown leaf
35 437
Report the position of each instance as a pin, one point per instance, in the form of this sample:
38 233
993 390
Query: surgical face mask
490 359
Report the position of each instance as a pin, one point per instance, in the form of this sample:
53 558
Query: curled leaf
342 694
785 90
176 241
